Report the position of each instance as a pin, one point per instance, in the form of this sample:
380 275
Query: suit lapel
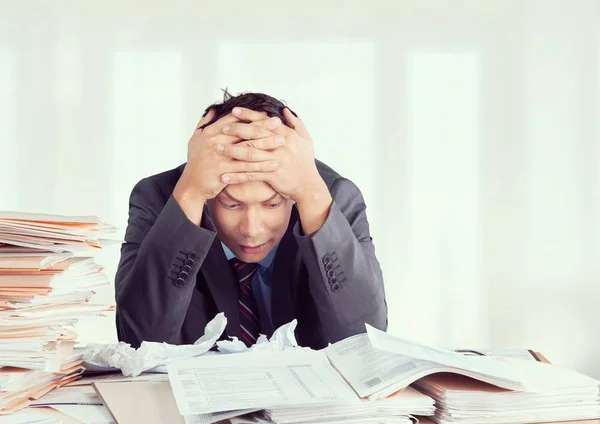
283 284
222 284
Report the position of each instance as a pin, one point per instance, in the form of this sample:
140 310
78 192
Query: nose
251 226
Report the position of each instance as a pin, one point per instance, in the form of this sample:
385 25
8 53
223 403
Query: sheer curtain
470 128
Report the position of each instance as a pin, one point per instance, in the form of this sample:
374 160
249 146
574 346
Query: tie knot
244 270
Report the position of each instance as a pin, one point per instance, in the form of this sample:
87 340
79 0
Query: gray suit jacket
173 276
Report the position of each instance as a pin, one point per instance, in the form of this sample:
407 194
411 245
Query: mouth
253 249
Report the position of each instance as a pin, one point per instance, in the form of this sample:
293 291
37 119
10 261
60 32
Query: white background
470 126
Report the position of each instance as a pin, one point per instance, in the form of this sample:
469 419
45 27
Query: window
148 129
442 196
8 135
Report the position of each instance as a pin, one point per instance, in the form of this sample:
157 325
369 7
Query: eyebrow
239 201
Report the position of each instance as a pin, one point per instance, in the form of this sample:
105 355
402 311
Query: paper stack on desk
256 380
467 389
555 394
377 364
46 282
368 378
289 386
397 408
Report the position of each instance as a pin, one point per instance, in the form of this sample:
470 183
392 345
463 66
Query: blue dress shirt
261 287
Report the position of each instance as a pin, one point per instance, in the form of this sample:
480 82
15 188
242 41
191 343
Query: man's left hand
296 176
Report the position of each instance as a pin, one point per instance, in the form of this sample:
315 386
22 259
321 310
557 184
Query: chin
244 257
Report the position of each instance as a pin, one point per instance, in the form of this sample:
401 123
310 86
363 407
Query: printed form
256 380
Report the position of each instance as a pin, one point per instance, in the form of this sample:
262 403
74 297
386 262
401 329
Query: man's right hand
202 177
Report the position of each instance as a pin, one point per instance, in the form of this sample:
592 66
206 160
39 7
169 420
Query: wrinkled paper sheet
154 356
282 338
151 356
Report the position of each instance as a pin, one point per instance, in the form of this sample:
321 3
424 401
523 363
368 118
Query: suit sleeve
160 259
345 277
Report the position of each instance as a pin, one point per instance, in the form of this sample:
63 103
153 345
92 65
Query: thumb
296 124
206 119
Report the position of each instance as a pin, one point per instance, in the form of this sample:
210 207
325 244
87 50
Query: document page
493 370
215 417
506 353
117 378
88 414
84 395
371 371
255 380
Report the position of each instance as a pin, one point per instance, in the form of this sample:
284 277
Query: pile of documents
375 377
291 386
46 282
466 389
555 394
377 364
397 408
367 378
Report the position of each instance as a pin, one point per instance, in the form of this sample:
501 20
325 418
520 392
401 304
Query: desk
49 412
428 421
151 402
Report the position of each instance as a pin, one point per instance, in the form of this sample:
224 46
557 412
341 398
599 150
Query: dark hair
256 101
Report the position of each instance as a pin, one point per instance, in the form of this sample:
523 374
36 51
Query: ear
210 114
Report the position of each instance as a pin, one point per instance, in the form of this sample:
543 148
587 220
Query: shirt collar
266 261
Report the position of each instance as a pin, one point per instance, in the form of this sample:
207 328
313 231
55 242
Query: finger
243 166
217 126
246 131
284 131
265 121
244 152
269 123
206 118
266 143
245 114
225 139
296 123
246 177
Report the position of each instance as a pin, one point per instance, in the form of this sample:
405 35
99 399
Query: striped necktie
249 317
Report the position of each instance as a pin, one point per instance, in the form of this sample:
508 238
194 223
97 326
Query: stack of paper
291 386
28 234
395 409
81 403
33 416
46 282
318 417
467 389
527 354
554 394
377 364
256 380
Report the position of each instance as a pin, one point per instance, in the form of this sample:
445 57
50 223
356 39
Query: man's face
251 218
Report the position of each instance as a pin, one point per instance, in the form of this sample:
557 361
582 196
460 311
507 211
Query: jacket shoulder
161 184
329 175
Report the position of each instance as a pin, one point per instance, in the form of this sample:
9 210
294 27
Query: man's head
251 218
255 101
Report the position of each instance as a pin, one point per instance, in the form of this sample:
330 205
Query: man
252 226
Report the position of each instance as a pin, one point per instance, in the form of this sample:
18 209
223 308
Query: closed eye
230 205
274 205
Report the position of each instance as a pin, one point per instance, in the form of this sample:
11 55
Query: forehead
253 192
